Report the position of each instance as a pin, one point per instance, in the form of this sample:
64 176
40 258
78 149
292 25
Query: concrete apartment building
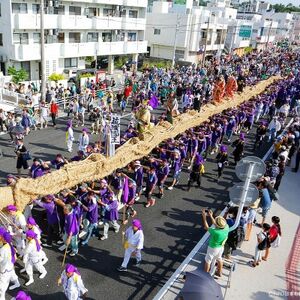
187 28
74 30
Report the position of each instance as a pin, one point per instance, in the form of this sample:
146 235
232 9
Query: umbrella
199 285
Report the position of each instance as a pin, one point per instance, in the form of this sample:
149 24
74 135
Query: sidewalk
279 277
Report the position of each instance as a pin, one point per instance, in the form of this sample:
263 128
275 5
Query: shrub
56 77
18 75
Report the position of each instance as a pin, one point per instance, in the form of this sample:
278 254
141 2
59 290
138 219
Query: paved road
172 228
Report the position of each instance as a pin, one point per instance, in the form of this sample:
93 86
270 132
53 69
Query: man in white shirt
273 128
44 113
134 243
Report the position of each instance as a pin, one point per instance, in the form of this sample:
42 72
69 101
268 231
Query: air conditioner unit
50 10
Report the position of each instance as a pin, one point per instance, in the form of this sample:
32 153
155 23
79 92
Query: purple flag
153 102
125 191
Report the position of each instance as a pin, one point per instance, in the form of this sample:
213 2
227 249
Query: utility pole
269 34
205 45
175 40
43 61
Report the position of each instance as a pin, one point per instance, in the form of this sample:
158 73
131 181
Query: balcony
53 51
67 22
137 3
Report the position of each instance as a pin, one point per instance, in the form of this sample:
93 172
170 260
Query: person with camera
218 237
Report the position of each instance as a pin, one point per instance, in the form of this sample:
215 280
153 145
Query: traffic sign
242 167
236 194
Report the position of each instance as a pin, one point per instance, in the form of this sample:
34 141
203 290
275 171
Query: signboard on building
115 129
245 31
181 2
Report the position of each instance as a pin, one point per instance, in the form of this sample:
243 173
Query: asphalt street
172 228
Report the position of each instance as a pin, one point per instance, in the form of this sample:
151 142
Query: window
35 8
1 39
36 38
26 66
20 38
106 37
71 62
19 8
108 12
123 13
156 31
92 37
74 37
120 36
133 13
75 10
61 37
60 10
131 36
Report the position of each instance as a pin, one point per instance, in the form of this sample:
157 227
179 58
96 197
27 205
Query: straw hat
220 222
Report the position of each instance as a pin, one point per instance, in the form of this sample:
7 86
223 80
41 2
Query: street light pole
205 45
175 41
43 61
268 38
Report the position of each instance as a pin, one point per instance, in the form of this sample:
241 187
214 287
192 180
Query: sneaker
100 223
148 204
43 275
73 253
104 238
170 188
29 282
122 269
47 245
60 242
137 198
137 263
15 286
117 230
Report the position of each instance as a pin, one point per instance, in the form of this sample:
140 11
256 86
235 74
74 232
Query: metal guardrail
189 258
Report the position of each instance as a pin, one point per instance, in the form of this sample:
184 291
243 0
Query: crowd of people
75 215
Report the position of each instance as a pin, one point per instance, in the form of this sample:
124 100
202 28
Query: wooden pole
65 254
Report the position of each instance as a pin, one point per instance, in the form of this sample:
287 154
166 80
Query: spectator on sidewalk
53 112
218 237
274 236
265 201
262 244
297 161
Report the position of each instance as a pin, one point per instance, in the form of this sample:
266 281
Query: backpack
263 245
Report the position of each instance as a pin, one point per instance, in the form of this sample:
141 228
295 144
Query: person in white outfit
20 226
44 114
72 283
134 243
32 225
32 257
273 128
84 140
7 261
69 136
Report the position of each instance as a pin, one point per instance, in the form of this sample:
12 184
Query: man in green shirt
218 237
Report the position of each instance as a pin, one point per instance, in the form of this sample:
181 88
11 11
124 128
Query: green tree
18 75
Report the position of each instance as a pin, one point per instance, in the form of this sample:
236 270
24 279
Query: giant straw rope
97 166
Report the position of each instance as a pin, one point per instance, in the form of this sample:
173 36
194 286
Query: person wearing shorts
218 237
265 202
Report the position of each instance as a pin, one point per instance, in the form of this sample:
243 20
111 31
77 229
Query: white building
238 36
263 30
187 29
74 29
296 28
285 24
